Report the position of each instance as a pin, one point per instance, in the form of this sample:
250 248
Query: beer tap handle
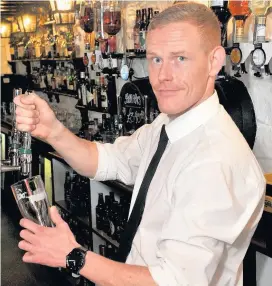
243 68
267 70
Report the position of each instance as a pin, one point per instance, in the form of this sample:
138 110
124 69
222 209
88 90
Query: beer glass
32 200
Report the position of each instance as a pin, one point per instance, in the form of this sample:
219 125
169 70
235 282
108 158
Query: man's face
178 67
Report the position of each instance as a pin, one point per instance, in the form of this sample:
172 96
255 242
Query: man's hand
34 115
46 245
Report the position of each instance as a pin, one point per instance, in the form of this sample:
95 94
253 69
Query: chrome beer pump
19 151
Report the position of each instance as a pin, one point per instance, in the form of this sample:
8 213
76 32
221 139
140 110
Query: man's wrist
57 133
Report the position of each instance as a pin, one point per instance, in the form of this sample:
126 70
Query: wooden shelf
103 235
41 59
101 110
84 219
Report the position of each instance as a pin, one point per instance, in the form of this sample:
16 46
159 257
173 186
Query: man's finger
24 245
28 236
18 102
28 257
25 128
55 216
27 120
30 225
26 112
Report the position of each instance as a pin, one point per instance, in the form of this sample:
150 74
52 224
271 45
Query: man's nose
166 73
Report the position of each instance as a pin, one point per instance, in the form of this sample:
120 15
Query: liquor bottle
220 9
240 11
83 88
49 76
85 201
112 198
103 88
104 122
75 190
121 221
143 31
136 31
110 252
103 250
113 219
106 225
259 9
149 17
100 212
67 189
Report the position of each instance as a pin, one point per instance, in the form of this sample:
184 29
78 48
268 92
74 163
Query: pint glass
32 200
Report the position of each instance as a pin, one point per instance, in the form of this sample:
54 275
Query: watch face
258 57
236 56
75 260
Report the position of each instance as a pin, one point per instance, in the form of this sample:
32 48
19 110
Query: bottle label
260 33
142 40
114 63
217 3
90 96
112 228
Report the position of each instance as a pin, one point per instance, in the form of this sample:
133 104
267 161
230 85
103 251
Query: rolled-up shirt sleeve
121 160
210 209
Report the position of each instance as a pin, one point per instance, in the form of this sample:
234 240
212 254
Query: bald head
196 14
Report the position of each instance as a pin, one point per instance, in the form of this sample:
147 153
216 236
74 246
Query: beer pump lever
19 152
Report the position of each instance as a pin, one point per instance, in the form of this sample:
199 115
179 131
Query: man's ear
216 59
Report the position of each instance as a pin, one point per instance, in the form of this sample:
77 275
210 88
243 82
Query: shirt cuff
104 171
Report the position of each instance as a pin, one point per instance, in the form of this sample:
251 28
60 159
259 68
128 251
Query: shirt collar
192 119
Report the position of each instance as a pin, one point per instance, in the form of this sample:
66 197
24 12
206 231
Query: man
206 197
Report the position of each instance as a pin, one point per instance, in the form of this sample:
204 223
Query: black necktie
138 208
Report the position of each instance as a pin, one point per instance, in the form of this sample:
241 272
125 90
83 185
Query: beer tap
19 152
241 47
262 53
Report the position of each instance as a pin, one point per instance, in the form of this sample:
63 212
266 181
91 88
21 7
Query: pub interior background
86 74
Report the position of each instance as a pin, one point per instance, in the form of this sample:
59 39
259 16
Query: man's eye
156 60
181 58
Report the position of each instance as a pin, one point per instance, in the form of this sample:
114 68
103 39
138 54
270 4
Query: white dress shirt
204 201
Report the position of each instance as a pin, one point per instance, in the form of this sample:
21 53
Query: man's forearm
105 272
80 154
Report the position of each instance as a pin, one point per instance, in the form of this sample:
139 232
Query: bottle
149 17
220 9
136 31
83 88
113 219
100 212
259 8
67 189
103 88
104 122
112 198
240 11
110 251
103 250
142 33
106 225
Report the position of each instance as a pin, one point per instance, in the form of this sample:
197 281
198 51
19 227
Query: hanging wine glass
100 36
112 21
87 16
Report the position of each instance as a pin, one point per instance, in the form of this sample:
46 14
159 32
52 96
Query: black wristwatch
75 260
